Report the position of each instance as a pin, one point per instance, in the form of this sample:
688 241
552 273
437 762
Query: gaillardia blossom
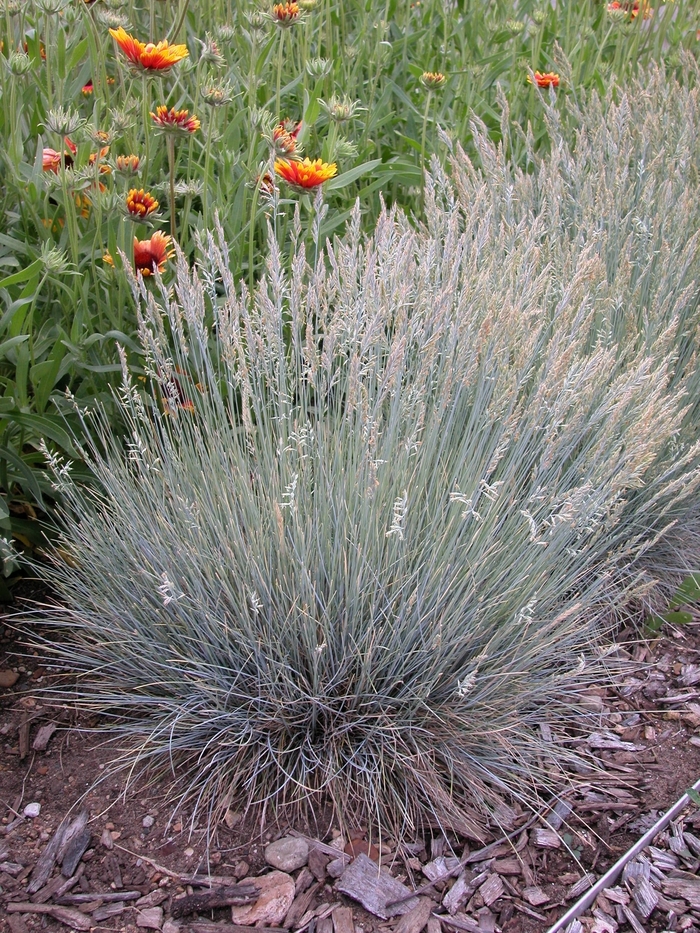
140 204
175 121
305 175
149 255
285 14
148 57
432 80
152 254
545 79
127 164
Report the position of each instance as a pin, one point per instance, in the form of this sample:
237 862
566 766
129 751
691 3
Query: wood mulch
76 854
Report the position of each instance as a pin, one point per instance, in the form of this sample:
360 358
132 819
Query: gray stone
288 853
32 810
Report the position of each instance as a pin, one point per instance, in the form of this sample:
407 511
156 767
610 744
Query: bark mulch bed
78 855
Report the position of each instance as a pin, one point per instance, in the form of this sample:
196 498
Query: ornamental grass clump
368 526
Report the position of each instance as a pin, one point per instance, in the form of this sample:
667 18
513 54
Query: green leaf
654 623
24 274
24 475
43 375
678 618
687 592
341 181
49 426
77 54
694 795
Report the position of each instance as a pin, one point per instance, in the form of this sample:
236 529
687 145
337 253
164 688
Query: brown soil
136 846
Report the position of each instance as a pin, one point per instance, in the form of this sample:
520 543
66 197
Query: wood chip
105 896
150 919
153 899
237 894
460 922
208 926
416 919
559 814
633 920
683 884
617 895
43 736
460 892
545 838
491 889
441 867
535 896
112 866
17 924
47 859
300 905
342 920
73 852
108 910
375 889
433 925
645 897
583 884
24 736
318 861
68 915
507 866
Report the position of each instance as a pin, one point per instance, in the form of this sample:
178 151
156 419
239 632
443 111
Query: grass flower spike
174 121
546 79
306 175
148 58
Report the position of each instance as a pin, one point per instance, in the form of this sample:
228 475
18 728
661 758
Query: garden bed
645 737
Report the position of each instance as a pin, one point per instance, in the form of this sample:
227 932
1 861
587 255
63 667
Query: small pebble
32 810
189 853
147 822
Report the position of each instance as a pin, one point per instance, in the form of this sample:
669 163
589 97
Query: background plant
349 73
381 513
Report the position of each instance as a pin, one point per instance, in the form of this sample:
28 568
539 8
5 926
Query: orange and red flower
88 88
175 121
152 254
284 142
285 14
632 7
307 174
140 204
148 57
545 79
127 164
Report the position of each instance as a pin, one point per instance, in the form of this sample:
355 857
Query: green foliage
373 520
686 594
64 308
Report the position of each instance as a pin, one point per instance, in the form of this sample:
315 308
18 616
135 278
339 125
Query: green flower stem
146 121
207 164
279 72
251 235
172 36
171 168
49 56
425 130
69 207
601 48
